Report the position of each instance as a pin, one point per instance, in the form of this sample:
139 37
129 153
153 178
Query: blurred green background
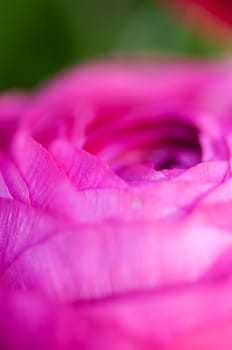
40 37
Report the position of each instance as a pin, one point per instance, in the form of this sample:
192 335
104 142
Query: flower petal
83 169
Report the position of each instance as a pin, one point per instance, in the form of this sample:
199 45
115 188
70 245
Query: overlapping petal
115 200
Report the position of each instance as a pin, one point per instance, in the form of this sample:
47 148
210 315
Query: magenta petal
98 260
47 184
136 322
4 191
132 254
24 227
83 169
12 106
122 84
13 180
37 323
50 188
95 93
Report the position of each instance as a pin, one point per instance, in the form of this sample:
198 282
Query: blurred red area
219 8
222 9
209 16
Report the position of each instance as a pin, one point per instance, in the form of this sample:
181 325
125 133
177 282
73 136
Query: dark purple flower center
160 143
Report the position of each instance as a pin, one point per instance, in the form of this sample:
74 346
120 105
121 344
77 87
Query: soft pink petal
12 107
83 169
38 323
201 314
92 94
23 227
13 179
219 337
104 259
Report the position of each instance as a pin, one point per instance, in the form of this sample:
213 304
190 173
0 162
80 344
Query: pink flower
115 196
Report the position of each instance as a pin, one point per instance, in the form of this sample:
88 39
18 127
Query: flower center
159 143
